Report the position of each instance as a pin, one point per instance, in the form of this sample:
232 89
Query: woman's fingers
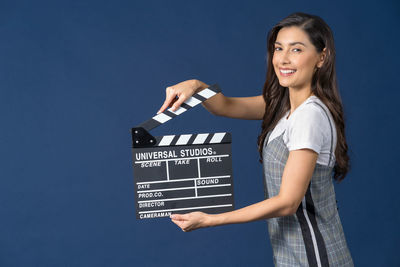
190 221
179 93
174 98
179 217
182 98
170 96
181 220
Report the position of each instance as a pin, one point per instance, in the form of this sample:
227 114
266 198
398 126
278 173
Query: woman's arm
295 180
249 108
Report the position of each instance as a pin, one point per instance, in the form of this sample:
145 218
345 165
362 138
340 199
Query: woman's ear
321 58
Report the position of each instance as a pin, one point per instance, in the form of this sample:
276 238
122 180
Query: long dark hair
323 85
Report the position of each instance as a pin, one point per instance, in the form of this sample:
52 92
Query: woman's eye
278 48
296 49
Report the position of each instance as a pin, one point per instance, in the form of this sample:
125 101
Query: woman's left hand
191 221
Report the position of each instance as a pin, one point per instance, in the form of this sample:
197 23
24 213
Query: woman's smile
285 72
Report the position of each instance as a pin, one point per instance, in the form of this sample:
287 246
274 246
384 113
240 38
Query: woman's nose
285 57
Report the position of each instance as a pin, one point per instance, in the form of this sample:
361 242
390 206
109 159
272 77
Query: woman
302 145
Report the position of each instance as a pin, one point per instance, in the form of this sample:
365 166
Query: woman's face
295 58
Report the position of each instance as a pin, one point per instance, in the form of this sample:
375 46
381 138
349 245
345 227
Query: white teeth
287 71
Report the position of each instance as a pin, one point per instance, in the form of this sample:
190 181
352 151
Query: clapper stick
140 135
181 173
188 104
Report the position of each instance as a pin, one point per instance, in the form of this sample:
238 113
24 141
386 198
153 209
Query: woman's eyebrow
291 44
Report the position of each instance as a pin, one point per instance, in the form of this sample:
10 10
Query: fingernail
171 216
158 112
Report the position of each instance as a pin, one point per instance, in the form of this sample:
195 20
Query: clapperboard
181 173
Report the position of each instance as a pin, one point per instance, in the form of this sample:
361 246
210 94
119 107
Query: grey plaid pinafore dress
313 236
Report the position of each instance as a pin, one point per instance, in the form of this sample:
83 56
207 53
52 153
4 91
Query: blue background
75 76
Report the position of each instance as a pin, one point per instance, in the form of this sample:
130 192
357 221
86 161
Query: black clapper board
181 173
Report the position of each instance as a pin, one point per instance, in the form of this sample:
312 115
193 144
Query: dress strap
267 137
264 181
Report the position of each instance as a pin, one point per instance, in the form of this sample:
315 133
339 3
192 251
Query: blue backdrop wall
75 76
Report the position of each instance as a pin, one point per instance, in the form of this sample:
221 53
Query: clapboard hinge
142 138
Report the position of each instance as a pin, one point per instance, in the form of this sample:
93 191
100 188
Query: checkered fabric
314 235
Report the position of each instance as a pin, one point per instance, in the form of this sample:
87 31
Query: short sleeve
305 130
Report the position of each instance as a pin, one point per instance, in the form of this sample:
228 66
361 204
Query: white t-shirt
308 127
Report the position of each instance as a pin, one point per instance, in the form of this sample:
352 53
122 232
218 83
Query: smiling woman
302 145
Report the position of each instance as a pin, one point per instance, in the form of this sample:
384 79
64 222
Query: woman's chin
283 84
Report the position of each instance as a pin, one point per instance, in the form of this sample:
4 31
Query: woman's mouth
286 72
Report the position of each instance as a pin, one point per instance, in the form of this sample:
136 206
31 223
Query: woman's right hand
179 93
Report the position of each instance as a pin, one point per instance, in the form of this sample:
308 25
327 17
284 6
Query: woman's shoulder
309 127
312 111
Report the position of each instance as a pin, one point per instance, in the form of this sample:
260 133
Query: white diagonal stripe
217 138
183 139
179 111
200 138
162 118
166 140
192 101
207 93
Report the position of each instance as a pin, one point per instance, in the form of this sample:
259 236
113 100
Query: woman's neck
297 97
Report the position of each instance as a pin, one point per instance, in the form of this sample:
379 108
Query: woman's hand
179 93
191 221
